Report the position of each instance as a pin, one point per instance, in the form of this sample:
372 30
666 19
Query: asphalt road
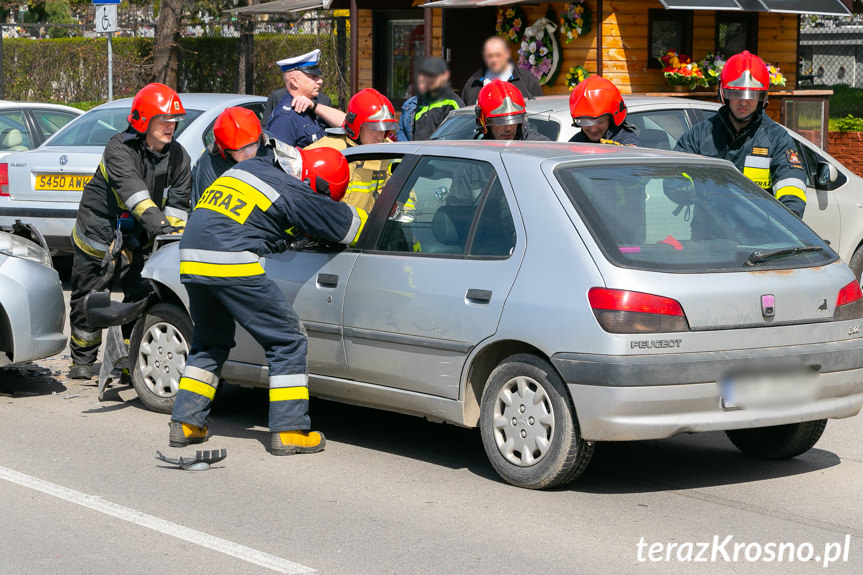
81 492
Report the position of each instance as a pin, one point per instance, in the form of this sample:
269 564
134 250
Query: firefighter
598 109
238 137
744 134
501 114
300 119
370 119
254 210
140 190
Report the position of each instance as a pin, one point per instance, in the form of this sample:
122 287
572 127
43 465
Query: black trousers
86 276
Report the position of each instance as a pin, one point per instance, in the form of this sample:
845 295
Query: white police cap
307 63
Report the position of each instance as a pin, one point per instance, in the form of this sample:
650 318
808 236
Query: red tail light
849 302
622 311
4 179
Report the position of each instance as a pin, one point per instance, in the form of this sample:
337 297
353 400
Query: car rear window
96 127
688 219
463 127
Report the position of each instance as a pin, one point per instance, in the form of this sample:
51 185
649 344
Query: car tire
856 263
778 441
545 420
158 350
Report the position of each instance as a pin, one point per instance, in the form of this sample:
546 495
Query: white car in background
43 186
834 194
26 125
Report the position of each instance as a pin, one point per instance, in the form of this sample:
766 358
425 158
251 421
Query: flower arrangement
510 23
575 20
711 66
538 52
680 70
575 76
776 77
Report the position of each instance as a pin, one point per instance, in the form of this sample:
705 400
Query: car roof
535 149
560 103
195 101
5 104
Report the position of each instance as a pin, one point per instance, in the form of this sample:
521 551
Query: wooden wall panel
364 30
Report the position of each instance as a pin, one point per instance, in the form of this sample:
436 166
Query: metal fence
831 56
68 62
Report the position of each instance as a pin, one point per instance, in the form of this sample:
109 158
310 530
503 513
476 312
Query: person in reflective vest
744 134
370 119
252 211
139 191
501 114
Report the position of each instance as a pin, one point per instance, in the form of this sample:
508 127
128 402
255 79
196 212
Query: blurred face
496 55
422 84
160 132
506 132
594 128
246 153
428 84
302 84
372 136
742 108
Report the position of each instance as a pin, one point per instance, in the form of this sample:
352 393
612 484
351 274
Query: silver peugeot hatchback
558 295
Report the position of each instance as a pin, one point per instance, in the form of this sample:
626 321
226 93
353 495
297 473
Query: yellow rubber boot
183 434
291 442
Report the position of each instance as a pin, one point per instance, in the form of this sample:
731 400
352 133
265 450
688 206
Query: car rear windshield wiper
758 257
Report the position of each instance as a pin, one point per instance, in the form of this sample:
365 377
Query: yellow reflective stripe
761 176
176 222
790 191
363 217
86 342
143 206
422 111
289 393
86 246
221 270
198 387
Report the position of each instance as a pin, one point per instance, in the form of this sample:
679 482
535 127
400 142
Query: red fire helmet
500 103
327 171
371 108
236 128
744 77
154 100
595 97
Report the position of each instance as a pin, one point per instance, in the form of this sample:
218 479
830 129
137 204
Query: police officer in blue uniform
299 119
253 210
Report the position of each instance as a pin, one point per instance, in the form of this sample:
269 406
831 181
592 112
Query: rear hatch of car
51 174
699 249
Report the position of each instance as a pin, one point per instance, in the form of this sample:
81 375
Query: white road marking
96 503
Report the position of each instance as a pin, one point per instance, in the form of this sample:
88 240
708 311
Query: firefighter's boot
183 434
291 442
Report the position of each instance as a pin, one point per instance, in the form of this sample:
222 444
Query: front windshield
463 127
688 219
96 127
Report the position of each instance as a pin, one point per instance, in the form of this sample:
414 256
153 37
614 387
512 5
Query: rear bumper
620 398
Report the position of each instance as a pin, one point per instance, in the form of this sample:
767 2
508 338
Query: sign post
106 23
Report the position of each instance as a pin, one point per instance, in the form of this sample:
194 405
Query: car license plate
61 182
768 389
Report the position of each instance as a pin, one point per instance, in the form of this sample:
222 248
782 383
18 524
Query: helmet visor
170 117
380 126
744 94
586 121
505 120
246 152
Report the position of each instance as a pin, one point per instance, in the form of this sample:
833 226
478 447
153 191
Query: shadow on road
28 380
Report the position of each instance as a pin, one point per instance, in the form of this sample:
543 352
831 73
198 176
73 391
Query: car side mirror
826 174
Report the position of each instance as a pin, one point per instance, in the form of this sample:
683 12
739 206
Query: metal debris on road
200 462
71 396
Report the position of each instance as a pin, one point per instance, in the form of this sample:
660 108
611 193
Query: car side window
495 230
660 129
14 132
52 120
436 207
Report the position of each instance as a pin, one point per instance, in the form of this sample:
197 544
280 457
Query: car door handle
328 280
481 296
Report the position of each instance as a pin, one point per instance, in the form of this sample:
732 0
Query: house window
736 32
668 30
399 47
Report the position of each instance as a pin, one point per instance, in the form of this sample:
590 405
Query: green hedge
75 69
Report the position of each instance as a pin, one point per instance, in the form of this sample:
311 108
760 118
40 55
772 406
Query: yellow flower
517 23
579 22
512 33
510 13
579 9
